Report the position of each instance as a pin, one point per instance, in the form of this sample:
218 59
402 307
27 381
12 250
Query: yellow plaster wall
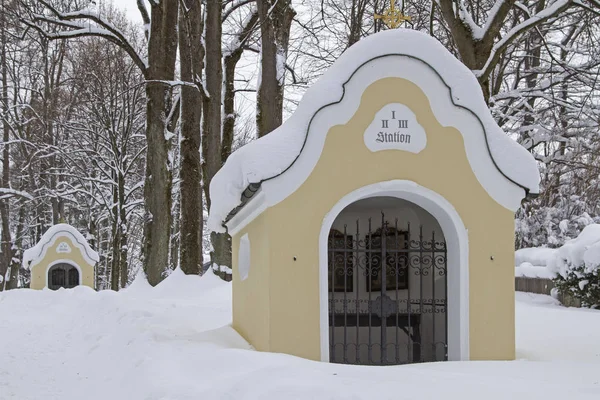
39 270
251 304
346 165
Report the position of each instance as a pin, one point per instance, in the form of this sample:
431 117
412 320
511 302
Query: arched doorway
394 317
63 275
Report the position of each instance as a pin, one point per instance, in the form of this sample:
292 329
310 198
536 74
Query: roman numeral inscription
395 127
393 137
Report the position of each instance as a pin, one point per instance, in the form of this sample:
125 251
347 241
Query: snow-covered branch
553 10
174 83
79 25
241 37
495 19
6 193
234 6
595 3
593 8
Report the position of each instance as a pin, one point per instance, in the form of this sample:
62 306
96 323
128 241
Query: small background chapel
376 226
61 259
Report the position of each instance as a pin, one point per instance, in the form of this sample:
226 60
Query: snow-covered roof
393 53
33 255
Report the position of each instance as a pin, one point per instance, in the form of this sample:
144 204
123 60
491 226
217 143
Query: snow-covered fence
534 285
544 286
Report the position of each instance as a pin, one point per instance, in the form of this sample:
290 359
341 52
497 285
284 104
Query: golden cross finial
391 17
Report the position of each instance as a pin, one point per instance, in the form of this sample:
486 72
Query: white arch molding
457 243
64 261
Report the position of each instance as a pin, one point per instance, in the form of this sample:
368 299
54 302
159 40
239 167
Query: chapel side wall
442 167
492 287
251 296
39 270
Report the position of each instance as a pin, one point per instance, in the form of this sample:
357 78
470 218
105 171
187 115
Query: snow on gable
504 168
55 233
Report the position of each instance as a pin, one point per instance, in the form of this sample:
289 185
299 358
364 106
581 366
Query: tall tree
6 250
275 22
212 123
231 56
162 51
191 55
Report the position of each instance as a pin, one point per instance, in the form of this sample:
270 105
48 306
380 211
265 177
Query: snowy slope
173 342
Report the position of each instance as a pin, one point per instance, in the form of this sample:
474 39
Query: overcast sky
131 7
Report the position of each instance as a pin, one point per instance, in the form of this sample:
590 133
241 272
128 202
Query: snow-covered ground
174 342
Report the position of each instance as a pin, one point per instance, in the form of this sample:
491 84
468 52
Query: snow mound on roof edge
272 154
50 236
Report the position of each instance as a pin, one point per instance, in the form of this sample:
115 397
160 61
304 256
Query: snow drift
532 262
175 342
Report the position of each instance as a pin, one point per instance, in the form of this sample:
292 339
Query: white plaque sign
395 127
63 247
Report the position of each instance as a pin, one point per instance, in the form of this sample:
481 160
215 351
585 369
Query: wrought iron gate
396 317
63 275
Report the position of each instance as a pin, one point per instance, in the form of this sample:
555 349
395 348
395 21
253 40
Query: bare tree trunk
175 227
275 22
115 251
532 63
52 79
221 243
175 241
6 239
114 259
123 260
162 50
191 54
13 283
355 25
231 60
104 247
122 229
212 129
221 253
93 242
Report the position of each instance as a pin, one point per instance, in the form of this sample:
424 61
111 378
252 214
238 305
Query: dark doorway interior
63 275
387 285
